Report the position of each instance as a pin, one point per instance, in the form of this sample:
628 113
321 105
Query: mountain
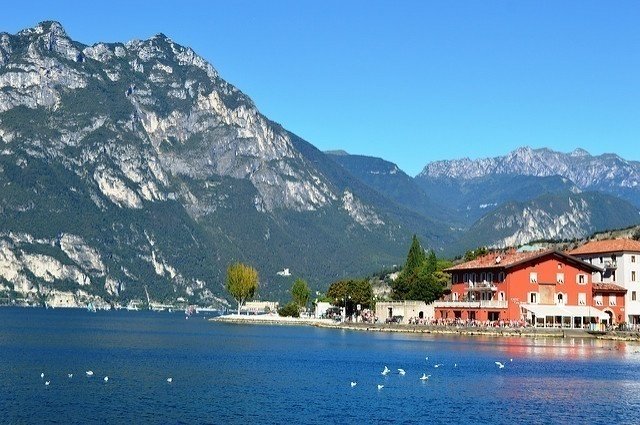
386 178
604 173
128 168
550 217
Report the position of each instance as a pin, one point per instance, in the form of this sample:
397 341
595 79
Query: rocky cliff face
608 172
132 164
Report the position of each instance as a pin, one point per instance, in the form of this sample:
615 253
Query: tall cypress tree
415 258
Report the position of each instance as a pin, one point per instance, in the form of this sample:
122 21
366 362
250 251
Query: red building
542 288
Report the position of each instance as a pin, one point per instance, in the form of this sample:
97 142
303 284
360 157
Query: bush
289 310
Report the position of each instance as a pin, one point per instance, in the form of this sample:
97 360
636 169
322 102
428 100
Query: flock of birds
401 372
89 374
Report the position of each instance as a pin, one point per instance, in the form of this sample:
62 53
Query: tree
242 282
415 257
422 277
300 293
350 292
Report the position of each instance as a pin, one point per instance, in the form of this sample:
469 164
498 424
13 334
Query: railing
482 285
471 304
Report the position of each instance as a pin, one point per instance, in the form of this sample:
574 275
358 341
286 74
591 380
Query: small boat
91 308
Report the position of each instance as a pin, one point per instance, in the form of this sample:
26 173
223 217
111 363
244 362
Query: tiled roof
608 245
607 287
507 259
498 260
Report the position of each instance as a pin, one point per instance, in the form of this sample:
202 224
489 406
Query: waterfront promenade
452 330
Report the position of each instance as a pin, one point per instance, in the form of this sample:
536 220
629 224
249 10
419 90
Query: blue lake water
240 374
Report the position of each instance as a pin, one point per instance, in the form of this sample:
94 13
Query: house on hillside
542 288
619 260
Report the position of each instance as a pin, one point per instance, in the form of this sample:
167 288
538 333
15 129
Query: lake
239 374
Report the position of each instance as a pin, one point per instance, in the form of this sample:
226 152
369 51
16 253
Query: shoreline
431 330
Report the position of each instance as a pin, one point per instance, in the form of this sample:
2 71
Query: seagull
426 358
70 375
455 365
438 365
47 383
353 384
385 371
401 371
169 380
89 373
42 375
510 360
500 365
424 377
106 379
380 386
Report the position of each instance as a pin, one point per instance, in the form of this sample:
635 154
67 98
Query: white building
416 310
259 307
620 259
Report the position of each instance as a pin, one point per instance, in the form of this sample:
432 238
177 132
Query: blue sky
409 81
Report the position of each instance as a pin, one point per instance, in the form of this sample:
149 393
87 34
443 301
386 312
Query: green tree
242 282
300 293
416 256
350 292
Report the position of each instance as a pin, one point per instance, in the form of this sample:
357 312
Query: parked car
394 319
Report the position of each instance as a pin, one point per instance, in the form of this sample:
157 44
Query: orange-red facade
493 287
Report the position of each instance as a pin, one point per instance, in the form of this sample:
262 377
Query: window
581 279
533 277
633 295
633 276
483 277
633 258
501 277
501 296
597 300
582 298
613 275
454 278
490 277
465 277
455 296
560 298
612 299
472 277
601 260
560 278
533 297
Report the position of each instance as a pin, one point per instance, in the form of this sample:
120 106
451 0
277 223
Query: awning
543 310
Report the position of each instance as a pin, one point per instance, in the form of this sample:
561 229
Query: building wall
406 309
545 277
627 275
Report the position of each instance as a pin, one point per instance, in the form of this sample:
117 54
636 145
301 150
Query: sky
409 81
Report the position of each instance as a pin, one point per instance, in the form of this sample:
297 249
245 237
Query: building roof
608 287
512 258
606 246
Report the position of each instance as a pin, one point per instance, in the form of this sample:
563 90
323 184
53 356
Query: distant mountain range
128 168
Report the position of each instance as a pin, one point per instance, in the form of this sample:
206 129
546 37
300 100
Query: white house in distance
620 259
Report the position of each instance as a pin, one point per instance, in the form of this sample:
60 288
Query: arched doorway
612 317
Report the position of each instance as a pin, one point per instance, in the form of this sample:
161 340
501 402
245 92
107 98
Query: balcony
471 304
481 286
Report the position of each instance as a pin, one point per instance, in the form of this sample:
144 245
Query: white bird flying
169 380
424 377
89 373
401 371
380 386
42 375
106 379
47 383
353 384
437 365
385 371
500 365
70 375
